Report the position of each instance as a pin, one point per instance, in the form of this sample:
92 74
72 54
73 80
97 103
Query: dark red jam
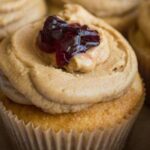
66 40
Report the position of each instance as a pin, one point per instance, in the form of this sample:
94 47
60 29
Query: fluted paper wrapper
27 137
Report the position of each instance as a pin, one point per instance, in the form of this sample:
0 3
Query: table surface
139 138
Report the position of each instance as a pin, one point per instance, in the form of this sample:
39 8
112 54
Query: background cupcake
139 36
14 14
120 14
70 84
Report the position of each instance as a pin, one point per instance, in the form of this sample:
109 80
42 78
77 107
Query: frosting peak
67 41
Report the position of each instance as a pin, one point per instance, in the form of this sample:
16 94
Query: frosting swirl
14 14
57 91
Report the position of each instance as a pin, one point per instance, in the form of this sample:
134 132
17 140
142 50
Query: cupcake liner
27 137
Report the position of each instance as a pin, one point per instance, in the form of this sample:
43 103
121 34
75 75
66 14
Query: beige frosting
17 13
56 90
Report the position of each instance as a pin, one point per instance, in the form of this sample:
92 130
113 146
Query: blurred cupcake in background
139 37
119 14
17 13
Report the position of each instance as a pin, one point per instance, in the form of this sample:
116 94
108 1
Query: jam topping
66 40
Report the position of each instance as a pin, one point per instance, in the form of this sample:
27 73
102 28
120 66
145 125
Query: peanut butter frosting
16 13
101 74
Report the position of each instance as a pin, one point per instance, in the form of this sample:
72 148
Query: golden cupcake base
102 126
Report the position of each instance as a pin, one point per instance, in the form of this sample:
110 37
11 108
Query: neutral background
139 138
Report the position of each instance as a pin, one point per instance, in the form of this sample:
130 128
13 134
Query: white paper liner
27 137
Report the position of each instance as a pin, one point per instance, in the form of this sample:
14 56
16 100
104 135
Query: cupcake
119 14
139 37
69 82
15 14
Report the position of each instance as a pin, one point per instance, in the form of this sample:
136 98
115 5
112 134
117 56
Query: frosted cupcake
139 36
119 14
14 14
71 83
